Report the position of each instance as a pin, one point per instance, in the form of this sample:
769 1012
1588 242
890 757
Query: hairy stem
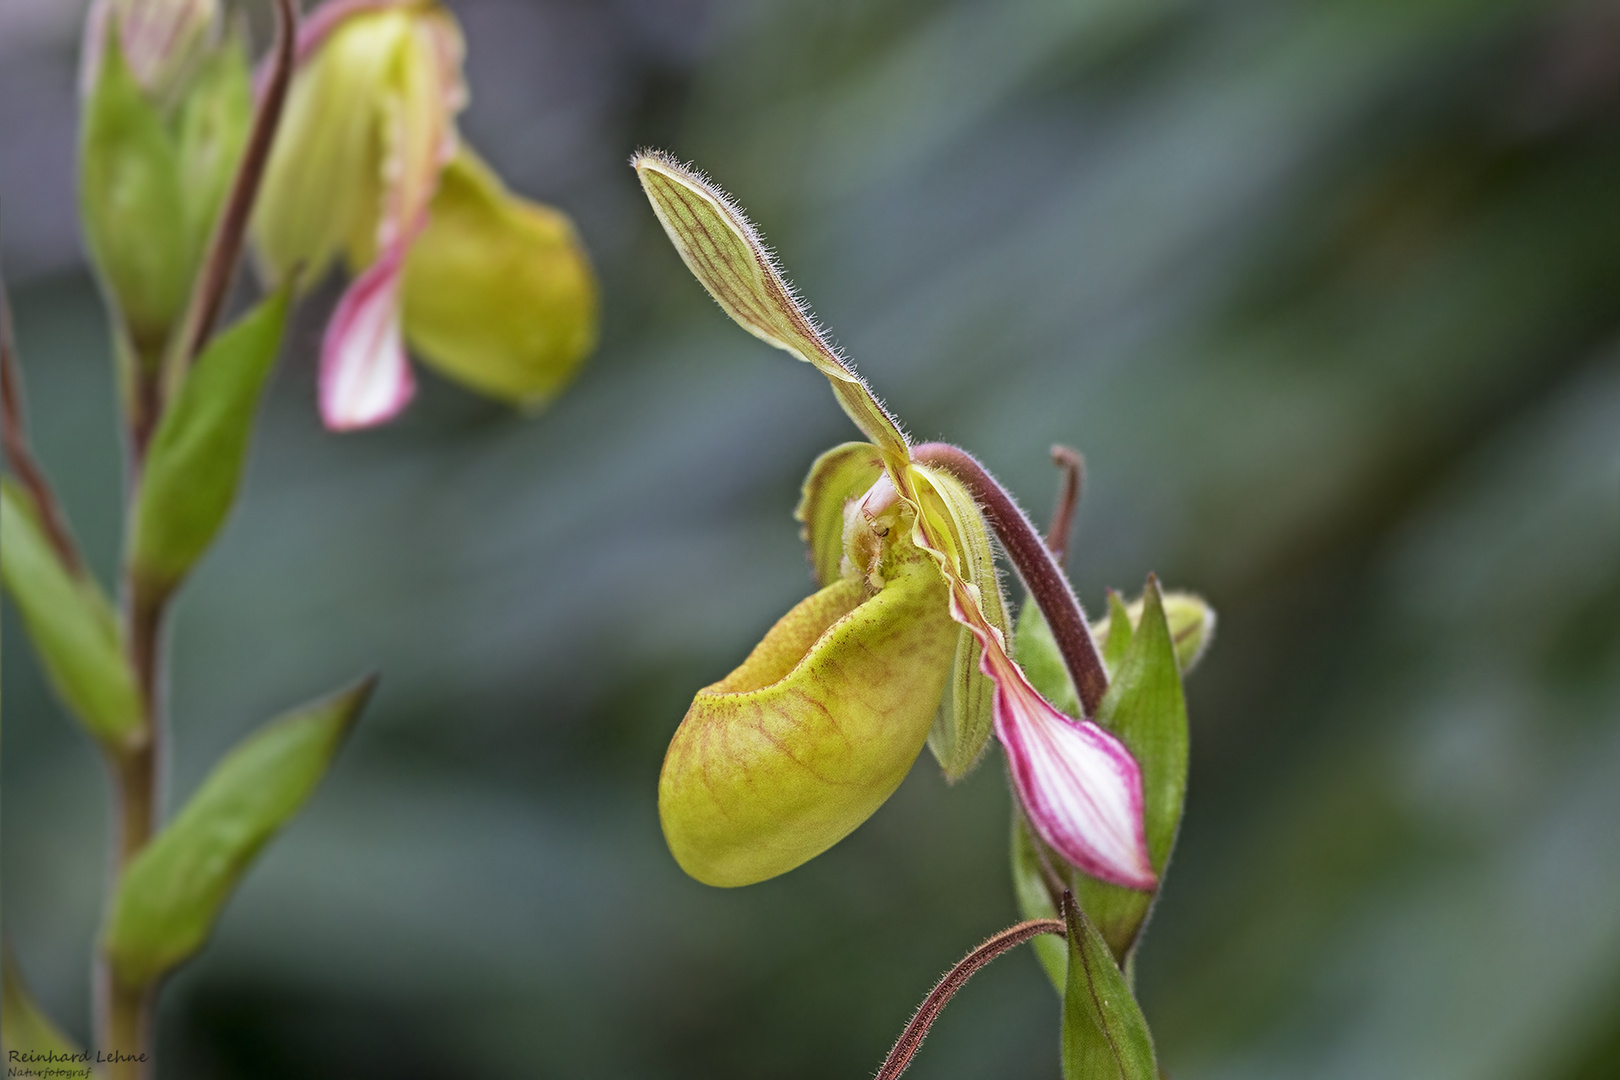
14 436
1033 560
912 1038
1072 468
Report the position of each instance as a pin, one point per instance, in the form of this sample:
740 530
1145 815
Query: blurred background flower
1329 295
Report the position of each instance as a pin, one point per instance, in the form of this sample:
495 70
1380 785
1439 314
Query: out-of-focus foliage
1327 293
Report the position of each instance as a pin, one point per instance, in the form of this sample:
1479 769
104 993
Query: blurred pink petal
365 377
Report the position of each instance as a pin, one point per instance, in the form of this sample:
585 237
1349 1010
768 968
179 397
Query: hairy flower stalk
1077 782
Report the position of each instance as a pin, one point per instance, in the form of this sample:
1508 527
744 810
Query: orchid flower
792 751
490 289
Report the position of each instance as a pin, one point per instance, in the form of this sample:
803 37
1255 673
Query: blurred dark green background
1327 292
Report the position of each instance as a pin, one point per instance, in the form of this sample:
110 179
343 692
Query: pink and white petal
365 378
1079 785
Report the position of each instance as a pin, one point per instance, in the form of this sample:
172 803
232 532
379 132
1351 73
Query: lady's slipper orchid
797 747
490 289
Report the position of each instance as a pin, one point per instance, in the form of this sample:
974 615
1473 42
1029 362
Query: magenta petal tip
365 377
1079 785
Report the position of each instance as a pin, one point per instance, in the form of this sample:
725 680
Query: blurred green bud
1191 621
215 116
168 898
71 624
160 40
498 293
788 754
133 205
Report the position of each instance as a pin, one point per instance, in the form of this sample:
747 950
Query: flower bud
159 40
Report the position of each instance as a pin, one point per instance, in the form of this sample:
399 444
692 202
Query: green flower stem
14 435
1035 565
225 245
124 1015
905 1048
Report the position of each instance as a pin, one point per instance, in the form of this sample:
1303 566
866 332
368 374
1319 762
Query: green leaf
194 463
23 1024
1105 1036
843 473
71 624
1116 631
1035 900
967 713
167 901
213 129
1144 706
131 203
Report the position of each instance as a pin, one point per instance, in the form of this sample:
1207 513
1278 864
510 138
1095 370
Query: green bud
71 624
214 120
196 456
159 39
1191 620
132 205
498 293
788 754
167 900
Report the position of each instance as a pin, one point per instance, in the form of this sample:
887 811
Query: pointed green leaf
843 473
24 1027
1120 625
1035 900
194 463
1105 1036
132 204
167 901
727 255
1145 708
213 128
71 624
966 717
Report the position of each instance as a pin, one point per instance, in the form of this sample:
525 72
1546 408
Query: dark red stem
225 246
1033 560
1072 468
912 1038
